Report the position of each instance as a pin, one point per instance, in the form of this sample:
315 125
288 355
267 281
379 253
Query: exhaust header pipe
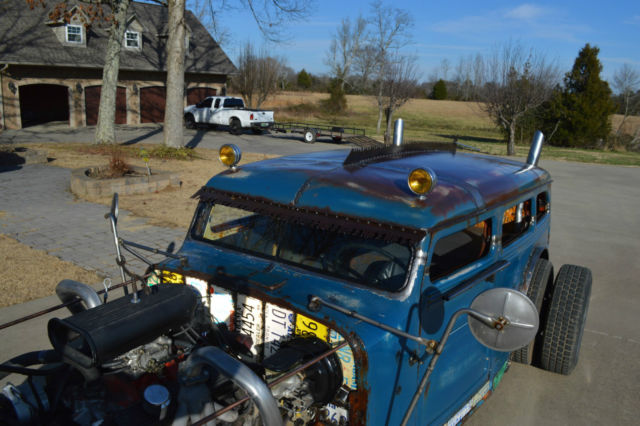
536 148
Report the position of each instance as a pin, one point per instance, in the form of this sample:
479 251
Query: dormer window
74 34
132 40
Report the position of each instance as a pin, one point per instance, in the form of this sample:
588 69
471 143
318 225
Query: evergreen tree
304 79
439 91
579 113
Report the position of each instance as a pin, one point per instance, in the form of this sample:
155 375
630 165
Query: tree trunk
387 134
380 108
173 134
511 145
105 129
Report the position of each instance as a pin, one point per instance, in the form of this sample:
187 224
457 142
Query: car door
461 263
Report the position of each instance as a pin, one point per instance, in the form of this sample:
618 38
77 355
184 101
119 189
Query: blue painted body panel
469 188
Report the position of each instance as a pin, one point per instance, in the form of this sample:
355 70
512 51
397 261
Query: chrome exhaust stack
536 148
398 131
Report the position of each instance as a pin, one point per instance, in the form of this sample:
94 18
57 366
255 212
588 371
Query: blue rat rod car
376 286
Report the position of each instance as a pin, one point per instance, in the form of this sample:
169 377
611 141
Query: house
51 69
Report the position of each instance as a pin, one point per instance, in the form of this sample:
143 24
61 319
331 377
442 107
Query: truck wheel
310 136
189 121
567 316
541 285
235 127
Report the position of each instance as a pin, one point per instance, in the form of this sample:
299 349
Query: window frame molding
80 34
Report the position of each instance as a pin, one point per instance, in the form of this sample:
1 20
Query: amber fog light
230 155
420 181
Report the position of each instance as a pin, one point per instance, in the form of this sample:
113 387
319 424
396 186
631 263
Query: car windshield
370 262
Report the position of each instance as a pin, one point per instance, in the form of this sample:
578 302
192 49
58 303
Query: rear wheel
189 121
541 284
567 316
235 127
310 136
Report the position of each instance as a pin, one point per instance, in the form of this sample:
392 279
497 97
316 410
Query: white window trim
67 34
138 40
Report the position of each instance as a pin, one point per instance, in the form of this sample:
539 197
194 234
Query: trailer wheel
189 121
310 136
337 139
567 316
235 127
541 285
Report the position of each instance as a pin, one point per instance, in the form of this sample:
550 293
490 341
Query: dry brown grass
630 126
29 274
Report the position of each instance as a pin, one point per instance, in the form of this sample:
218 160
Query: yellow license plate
308 327
169 277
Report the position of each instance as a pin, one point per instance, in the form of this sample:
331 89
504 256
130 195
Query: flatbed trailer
311 132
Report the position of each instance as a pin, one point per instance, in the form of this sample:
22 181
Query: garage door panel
196 94
152 104
92 104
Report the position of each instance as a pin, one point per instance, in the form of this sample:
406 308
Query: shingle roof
25 38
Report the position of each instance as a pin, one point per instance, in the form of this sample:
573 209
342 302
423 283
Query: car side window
205 103
542 205
516 220
454 251
217 103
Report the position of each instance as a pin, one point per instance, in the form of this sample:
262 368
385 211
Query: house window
132 39
74 34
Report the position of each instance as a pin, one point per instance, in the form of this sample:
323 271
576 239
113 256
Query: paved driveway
596 223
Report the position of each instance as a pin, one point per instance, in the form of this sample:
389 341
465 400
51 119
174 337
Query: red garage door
152 103
92 104
196 94
42 103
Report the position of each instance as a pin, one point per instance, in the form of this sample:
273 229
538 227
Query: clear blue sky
454 28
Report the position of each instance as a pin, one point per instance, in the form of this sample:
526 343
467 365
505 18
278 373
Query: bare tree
173 133
518 80
344 48
390 31
400 84
209 14
258 75
626 81
364 66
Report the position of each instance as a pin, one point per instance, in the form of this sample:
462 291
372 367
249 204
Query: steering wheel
337 262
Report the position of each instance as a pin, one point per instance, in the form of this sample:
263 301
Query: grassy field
429 120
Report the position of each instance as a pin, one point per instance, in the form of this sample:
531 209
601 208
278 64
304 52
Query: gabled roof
25 38
466 184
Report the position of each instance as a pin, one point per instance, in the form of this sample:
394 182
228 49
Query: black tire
337 139
541 285
189 121
235 127
565 322
256 131
310 136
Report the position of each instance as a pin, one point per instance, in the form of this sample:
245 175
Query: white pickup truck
227 111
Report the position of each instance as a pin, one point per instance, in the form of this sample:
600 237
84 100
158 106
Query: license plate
337 415
479 396
278 327
249 321
264 124
222 308
308 327
346 360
